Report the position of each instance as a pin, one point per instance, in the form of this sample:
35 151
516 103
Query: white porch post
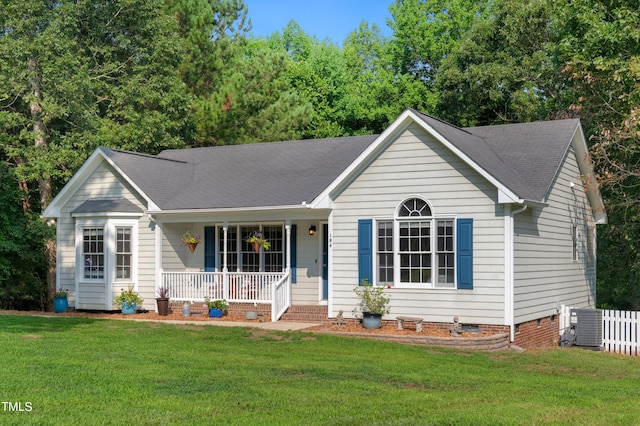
225 270
287 227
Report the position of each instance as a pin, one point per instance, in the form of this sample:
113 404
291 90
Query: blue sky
333 19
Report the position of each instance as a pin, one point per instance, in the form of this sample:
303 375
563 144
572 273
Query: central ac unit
587 324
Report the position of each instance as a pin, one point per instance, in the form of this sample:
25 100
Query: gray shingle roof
534 151
522 157
261 174
99 205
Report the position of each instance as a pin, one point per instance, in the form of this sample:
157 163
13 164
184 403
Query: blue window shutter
464 253
365 250
209 248
294 256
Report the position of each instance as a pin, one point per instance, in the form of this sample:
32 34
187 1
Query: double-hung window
415 249
123 253
106 250
241 256
93 253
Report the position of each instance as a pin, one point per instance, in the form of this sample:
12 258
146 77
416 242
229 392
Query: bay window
105 250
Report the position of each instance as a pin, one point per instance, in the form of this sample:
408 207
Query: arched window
414 207
415 248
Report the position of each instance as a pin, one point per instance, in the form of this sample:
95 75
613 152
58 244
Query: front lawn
87 371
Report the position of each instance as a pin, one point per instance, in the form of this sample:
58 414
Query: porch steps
316 313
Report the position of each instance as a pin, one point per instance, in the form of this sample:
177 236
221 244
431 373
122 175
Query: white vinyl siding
415 164
103 183
307 289
547 270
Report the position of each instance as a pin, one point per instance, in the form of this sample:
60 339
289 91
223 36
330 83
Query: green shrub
23 264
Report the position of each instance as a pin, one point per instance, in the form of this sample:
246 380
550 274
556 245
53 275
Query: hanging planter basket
190 241
257 241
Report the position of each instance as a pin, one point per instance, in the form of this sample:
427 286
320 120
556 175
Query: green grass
84 371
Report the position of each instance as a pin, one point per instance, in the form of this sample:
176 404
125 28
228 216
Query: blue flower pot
129 309
215 313
60 304
371 321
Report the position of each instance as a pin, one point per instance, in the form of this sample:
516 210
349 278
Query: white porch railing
236 287
281 297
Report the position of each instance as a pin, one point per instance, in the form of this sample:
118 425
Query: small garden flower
256 238
61 292
128 297
187 238
215 304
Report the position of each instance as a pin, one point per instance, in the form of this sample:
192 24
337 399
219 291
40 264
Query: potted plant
373 304
216 307
162 301
190 241
128 300
256 239
60 301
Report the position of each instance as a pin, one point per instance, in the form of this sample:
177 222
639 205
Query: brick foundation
236 309
540 333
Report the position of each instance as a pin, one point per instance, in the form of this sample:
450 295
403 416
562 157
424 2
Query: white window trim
109 228
434 254
219 251
396 247
80 226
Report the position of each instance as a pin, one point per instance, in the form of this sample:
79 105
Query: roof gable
533 151
521 160
99 156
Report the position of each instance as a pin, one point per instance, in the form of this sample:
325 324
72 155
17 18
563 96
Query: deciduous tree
599 46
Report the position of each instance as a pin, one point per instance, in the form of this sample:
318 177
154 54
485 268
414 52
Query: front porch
268 288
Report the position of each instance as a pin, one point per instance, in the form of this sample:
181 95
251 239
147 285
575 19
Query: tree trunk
39 129
44 184
24 187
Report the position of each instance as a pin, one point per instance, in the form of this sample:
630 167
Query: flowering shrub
217 304
128 297
372 298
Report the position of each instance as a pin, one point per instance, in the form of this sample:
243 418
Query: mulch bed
349 327
388 328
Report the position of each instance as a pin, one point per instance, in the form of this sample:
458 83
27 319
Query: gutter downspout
509 255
